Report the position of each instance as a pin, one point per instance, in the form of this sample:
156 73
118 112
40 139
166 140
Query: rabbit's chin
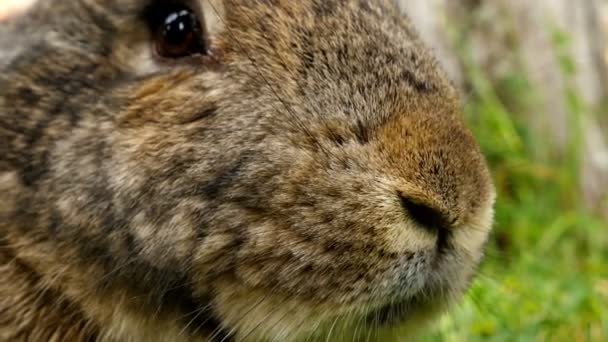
291 321
262 316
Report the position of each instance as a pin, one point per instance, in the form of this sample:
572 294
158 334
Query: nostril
426 216
429 218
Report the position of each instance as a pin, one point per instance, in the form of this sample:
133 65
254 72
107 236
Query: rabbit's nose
429 217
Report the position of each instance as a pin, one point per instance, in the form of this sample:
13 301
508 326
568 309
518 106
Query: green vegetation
546 274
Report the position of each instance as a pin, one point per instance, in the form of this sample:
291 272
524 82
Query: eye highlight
177 31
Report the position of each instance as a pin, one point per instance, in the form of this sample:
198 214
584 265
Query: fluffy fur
314 178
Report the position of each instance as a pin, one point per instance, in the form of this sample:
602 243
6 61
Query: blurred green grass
545 277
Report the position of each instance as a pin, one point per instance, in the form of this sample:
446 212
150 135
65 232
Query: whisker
116 269
314 331
197 313
358 325
243 316
251 331
328 339
282 317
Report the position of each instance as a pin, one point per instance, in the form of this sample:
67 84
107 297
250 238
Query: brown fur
314 177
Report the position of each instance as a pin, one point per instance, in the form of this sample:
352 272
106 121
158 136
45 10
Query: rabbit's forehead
355 58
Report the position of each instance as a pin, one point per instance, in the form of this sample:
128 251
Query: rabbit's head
259 169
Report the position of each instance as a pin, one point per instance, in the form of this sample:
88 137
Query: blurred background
534 79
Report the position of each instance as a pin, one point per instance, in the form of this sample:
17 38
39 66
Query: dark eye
176 31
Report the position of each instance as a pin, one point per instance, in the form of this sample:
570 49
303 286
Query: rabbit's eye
177 32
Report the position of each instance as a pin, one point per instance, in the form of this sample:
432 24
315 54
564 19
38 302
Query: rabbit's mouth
415 311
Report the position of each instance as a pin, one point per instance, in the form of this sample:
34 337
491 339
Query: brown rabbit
215 170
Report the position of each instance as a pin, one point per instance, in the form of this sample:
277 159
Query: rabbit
231 170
